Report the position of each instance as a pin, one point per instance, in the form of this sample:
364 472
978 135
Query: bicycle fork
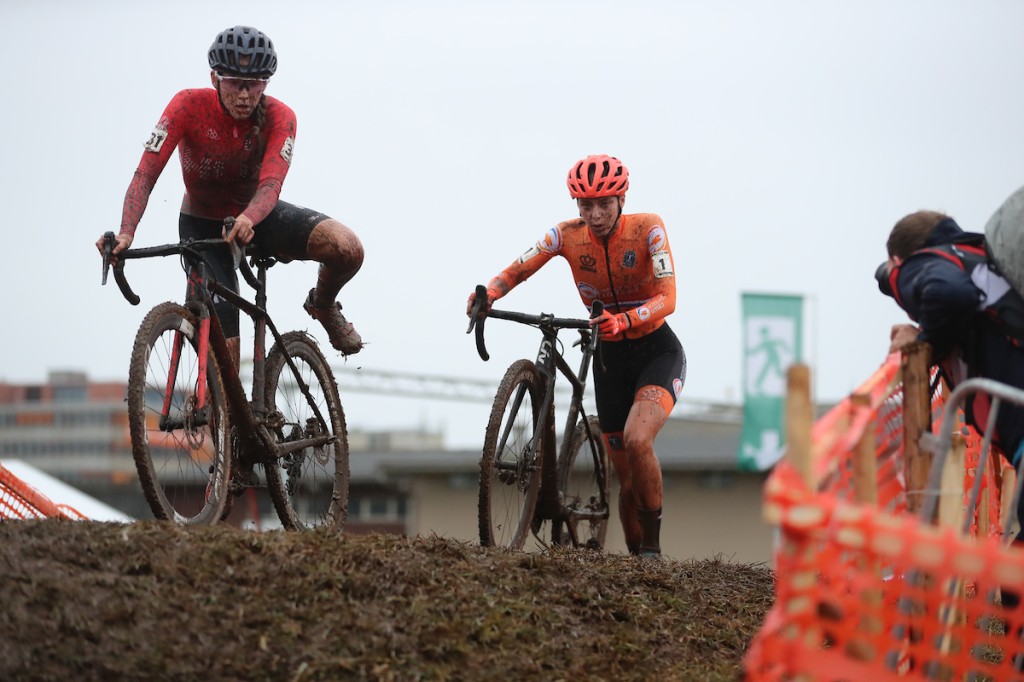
195 415
572 517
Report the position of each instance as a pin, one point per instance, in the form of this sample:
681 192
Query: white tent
61 493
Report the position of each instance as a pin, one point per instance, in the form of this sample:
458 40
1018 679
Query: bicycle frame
252 432
550 362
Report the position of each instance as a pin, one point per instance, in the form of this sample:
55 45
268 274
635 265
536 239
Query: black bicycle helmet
232 44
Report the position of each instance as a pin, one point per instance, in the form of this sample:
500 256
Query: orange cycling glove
609 325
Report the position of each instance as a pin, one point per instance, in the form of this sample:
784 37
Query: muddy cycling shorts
283 234
621 368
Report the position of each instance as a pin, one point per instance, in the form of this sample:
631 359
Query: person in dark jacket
959 303
939 275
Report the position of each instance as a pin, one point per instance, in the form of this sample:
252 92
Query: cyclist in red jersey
235 144
623 260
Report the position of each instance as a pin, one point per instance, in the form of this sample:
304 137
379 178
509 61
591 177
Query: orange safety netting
19 500
868 591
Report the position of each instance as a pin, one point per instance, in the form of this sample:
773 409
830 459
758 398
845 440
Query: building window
716 480
377 507
70 394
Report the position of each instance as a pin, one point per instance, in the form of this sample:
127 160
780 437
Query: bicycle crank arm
586 515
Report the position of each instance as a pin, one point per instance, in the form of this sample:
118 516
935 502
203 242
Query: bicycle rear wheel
181 449
510 467
583 472
309 486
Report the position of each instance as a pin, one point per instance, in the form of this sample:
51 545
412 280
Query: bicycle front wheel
309 486
583 489
510 467
178 424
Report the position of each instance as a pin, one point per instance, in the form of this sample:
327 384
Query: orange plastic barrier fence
867 591
19 500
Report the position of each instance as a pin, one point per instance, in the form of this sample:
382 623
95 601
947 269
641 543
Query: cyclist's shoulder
278 109
192 102
645 227
195 96
571 225
643 221
566 235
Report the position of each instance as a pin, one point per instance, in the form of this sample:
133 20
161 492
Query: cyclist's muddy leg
646 417
627 498
340 254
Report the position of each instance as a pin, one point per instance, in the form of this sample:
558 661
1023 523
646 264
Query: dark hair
911 231
259 118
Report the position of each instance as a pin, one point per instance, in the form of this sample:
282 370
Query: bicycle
522 485
196 437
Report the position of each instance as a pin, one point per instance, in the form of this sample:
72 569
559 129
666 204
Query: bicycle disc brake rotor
524 463
320 452
190 418
510 471
292 462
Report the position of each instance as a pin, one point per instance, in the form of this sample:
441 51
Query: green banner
772 341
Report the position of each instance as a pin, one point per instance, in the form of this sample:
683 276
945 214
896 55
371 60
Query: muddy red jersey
229 167
630 270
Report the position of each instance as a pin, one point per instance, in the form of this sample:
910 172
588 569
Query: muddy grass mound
151 601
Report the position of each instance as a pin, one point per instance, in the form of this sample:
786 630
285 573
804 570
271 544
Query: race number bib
156 139
662 261
287 149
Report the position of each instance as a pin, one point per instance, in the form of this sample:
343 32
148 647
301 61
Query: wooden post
917 419
951 492
799 416
865 466
1009 484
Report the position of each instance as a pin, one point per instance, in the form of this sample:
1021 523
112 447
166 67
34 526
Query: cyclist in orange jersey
623 260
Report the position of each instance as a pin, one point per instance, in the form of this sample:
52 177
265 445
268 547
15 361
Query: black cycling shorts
283 234
621 368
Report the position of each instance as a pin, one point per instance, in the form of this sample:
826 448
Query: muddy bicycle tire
185 466
583 475
309 488
510 478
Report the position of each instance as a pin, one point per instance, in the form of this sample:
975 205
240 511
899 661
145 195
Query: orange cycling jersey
630 270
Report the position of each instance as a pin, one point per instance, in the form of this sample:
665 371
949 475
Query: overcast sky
778 141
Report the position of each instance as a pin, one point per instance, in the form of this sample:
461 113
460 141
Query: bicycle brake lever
478 303
236 250
108 248
478 322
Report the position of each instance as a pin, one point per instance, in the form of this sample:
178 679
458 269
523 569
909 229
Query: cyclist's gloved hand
492 296
122 241
609 325
241 229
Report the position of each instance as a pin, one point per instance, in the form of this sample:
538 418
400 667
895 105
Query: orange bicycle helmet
596 176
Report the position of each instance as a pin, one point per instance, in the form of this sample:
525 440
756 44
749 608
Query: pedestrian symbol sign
772 342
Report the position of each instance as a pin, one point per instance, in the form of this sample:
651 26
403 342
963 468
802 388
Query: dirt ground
151 601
